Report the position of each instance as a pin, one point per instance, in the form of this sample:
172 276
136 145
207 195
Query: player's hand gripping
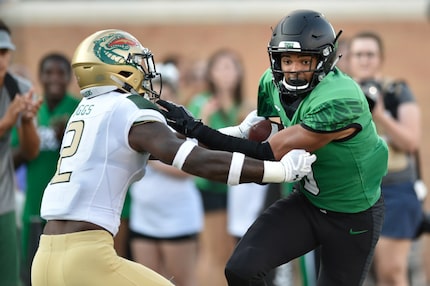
242 130
179 118
297 163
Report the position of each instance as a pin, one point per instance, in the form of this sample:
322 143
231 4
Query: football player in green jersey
338 206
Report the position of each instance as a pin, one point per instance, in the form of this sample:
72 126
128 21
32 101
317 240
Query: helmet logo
290 45
105 47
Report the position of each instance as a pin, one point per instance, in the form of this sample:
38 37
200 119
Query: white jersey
244 204
97 164
165 206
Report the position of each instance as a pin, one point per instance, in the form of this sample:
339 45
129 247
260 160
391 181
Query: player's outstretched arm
231 168
180 119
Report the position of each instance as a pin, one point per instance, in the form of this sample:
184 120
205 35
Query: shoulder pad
142 102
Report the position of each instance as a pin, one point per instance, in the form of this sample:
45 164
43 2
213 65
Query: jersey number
311 184
77 127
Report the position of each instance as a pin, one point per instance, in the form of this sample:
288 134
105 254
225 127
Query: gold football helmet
116 58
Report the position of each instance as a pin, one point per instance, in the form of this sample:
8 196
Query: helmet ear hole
125 74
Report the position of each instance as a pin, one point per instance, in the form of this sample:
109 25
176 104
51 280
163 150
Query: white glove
242 130
298 163
293 167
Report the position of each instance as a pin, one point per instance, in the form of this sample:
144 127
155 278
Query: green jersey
347 174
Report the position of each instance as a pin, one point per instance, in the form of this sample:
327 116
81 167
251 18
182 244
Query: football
262 130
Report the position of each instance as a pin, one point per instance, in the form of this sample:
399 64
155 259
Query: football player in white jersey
107 143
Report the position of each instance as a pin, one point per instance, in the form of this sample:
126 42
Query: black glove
179 118
371 90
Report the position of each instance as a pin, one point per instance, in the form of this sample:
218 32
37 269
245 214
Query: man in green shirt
338 206
58 105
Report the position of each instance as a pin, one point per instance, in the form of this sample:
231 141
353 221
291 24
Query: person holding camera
397 118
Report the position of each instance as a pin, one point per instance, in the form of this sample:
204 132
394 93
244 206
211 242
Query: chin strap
295 84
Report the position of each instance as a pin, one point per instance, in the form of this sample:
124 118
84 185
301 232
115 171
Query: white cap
5 41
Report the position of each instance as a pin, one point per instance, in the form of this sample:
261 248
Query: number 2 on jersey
77 127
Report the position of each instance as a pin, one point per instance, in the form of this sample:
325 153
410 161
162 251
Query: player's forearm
216 166
235 168
216 140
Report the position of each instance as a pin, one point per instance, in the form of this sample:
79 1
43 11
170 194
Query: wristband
182 154
235 168
274 172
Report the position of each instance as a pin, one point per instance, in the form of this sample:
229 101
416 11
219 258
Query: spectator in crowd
397 118
166 210
58 105
17 108
342 50
218 107
193 80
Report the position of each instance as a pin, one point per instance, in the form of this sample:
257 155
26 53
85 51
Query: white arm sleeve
232 131
242 130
